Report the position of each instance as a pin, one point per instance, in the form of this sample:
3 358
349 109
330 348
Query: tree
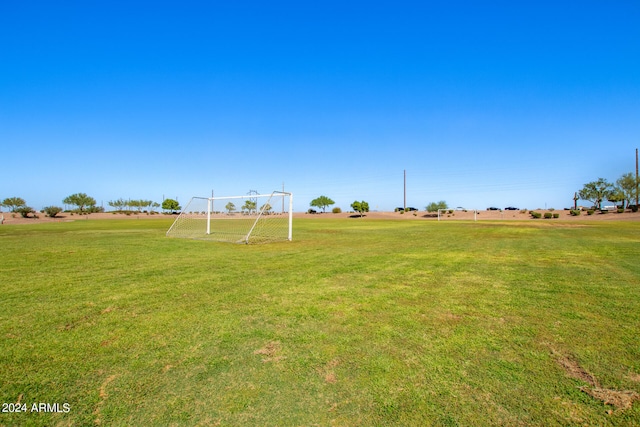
230 207
616 196
52 211
360 207
13 203
249 206
266 208
81 200
628 184
434 206
170 205
322 202
117 204
596 191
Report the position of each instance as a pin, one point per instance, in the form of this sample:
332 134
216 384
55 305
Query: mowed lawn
356 322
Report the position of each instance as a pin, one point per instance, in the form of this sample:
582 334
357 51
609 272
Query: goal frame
260 213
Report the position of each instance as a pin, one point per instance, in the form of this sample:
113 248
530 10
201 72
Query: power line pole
637 177
405 190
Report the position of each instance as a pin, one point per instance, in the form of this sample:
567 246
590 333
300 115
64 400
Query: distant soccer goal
457 214
253 218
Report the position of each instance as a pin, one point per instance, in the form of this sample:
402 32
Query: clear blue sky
482 103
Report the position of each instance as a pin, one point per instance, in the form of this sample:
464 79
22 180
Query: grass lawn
356 322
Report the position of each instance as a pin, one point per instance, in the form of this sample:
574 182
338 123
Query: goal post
252 218
462 214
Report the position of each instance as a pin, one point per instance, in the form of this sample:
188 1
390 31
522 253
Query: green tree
13 203
434 206
52 211
360 207
596 191
230 207
322 202
117 204
266 208
249 206
628 185
81 200
170 205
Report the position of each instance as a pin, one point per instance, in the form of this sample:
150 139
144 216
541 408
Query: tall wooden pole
405 190
637 177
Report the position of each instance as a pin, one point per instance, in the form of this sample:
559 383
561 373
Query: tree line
85 204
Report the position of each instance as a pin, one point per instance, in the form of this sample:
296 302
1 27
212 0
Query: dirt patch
620 399
102 392
328 372
271 351
574 370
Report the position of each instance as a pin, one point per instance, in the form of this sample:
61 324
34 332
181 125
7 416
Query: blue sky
482 103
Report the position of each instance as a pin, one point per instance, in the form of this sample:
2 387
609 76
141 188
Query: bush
548 215
536 214
574 212
24 211
52 211
620 210
590 212
336 210
556 215
634 208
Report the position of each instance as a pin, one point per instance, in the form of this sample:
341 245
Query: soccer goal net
254 218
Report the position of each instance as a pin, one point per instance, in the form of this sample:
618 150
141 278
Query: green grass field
356 322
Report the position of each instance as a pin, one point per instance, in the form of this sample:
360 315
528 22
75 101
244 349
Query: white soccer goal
253 218
458 214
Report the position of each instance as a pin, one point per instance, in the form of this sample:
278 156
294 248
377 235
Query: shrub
548 215
336 210
556 215
574 212
24 211
536 214
52 211
620 210
590 212
634 208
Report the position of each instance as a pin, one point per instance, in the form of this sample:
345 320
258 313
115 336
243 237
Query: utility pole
283 197
404 207
637 177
